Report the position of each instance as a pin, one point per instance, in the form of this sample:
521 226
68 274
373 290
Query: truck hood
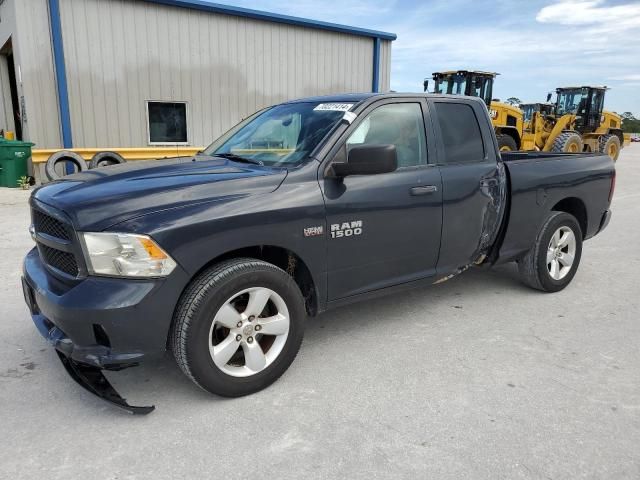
97 199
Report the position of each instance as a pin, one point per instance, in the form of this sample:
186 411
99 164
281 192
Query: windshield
527 110
281 135
569 102
454 84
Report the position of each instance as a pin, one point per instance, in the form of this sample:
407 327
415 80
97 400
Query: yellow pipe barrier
143 153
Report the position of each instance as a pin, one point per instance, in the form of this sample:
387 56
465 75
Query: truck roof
359 97
340 97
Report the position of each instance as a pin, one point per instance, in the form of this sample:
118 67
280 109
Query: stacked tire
56 166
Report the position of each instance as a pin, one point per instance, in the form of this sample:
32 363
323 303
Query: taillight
613 185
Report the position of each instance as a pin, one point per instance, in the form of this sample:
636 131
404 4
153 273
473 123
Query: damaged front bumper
101 323
88 375
92 379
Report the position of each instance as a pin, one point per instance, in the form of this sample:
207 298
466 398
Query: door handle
423 190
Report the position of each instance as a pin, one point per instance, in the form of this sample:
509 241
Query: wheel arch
576 207
512 132
282 257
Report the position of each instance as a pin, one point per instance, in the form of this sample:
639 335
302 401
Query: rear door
384 229
472 182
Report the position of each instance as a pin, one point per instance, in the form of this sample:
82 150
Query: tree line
630 124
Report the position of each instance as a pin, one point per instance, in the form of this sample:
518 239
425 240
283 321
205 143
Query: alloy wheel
561 253
249 332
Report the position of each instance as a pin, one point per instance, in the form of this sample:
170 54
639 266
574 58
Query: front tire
553 260
238 327
567 142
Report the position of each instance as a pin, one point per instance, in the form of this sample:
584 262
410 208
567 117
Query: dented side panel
474 200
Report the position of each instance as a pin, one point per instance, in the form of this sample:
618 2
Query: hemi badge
313 231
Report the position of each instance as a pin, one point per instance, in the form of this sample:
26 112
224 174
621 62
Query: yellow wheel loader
578 123
507 119
528 110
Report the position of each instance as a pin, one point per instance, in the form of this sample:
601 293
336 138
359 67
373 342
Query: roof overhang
274 17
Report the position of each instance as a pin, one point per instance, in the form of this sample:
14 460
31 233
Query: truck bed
539 181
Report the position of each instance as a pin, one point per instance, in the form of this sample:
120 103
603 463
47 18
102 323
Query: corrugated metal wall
120 53
385 65
27 23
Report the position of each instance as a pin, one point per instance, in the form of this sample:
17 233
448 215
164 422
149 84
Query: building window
167 123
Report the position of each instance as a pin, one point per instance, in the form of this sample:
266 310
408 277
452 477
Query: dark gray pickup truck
301 207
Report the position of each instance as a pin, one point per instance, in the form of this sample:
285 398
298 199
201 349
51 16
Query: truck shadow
421 301
162 383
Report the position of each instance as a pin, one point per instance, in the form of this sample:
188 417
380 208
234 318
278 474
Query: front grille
44 223
56 241
63 261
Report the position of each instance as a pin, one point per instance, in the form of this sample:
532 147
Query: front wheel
553 260
567 142
506 143
238 327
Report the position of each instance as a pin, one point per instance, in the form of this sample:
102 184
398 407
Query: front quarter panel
196 235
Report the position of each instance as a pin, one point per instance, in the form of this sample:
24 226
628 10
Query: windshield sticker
334 107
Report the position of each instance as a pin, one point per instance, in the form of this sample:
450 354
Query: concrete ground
476 378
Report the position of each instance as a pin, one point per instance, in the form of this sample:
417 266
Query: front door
384 229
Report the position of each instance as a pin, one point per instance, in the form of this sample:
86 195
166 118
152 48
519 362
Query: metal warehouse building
149 73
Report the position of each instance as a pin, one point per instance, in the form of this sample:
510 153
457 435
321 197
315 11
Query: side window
460 131
399 124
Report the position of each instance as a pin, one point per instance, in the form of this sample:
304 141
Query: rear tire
506 143
610 145
553 260
238 327
567 142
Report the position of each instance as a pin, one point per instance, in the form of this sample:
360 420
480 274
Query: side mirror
548 97
425 84
368 160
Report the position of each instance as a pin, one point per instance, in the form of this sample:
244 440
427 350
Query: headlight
126 255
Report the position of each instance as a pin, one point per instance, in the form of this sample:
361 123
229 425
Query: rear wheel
609 144
238 327
506 143
567 142
553 260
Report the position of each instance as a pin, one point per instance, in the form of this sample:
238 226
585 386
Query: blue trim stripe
376 65
61 73
275 17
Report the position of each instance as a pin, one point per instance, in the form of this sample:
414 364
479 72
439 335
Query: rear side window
461 134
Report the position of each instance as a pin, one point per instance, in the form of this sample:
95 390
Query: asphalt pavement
479 378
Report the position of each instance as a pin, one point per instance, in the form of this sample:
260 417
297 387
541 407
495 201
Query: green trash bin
13 161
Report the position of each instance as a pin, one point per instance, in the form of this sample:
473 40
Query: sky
535 45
